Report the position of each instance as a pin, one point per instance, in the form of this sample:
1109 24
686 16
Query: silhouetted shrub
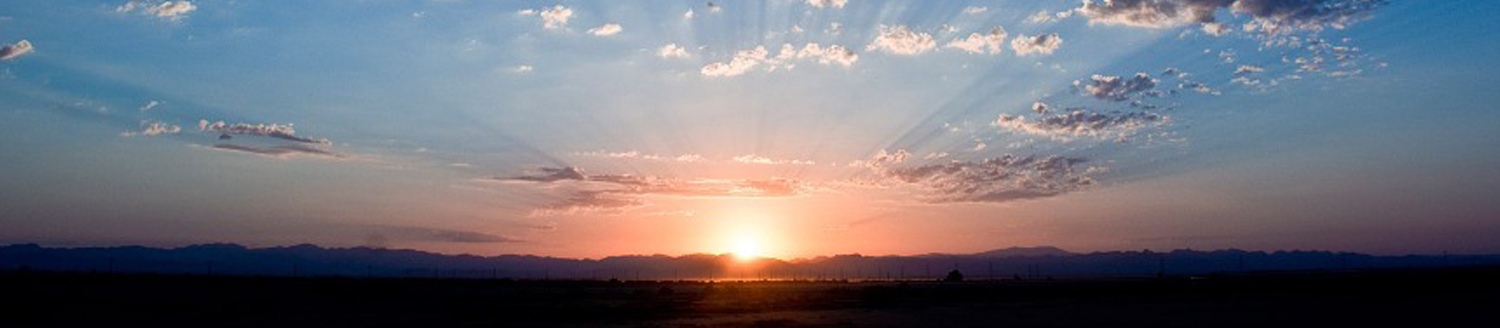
954 276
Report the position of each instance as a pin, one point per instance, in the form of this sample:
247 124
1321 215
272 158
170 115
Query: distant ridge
1025 252
1010 263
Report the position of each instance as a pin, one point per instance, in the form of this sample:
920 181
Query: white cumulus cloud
672 50
1043 44
746 60
901 40
552 18
606 30
827 3
11 51
992 42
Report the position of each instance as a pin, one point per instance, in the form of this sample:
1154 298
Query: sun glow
748 233
748 247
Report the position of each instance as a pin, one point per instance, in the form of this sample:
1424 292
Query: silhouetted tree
954 276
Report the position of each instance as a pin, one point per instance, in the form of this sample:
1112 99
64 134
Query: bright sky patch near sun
766 128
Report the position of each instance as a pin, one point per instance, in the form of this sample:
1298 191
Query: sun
747 247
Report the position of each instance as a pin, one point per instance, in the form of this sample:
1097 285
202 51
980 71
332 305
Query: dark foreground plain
1415 297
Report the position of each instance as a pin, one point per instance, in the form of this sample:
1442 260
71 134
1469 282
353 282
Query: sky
784 128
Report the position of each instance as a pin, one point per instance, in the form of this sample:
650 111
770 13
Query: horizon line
755 258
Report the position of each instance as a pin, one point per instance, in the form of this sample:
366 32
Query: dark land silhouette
1030 262
307 286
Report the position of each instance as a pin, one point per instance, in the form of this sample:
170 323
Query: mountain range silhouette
1008 263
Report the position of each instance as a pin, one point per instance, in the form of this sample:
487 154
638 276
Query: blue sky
519 127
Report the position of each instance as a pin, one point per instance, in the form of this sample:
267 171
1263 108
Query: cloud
884 158
1247 69
690 158
743 61
633 154
827 3
585 192
606 30
975 10
1283 16
672 50
552 18
1151 13
150 105
1269 16
382 234
1043 44
1039 107
1198 87
279 152
590 201
152 129
1115 88
1076 124
901 40
746 60
11 51
992 42
831 55
551 174
279 131
171 10
995 180
756 159
1041 17
1216 29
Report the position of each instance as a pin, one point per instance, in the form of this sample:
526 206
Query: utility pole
1161 266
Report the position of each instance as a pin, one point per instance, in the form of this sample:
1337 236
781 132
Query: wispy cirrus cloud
762 160
635 154
277 152
1081 124
995 180
606 30
1042 17
827 3
152 128
273 130
584 192
883 158
382 235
